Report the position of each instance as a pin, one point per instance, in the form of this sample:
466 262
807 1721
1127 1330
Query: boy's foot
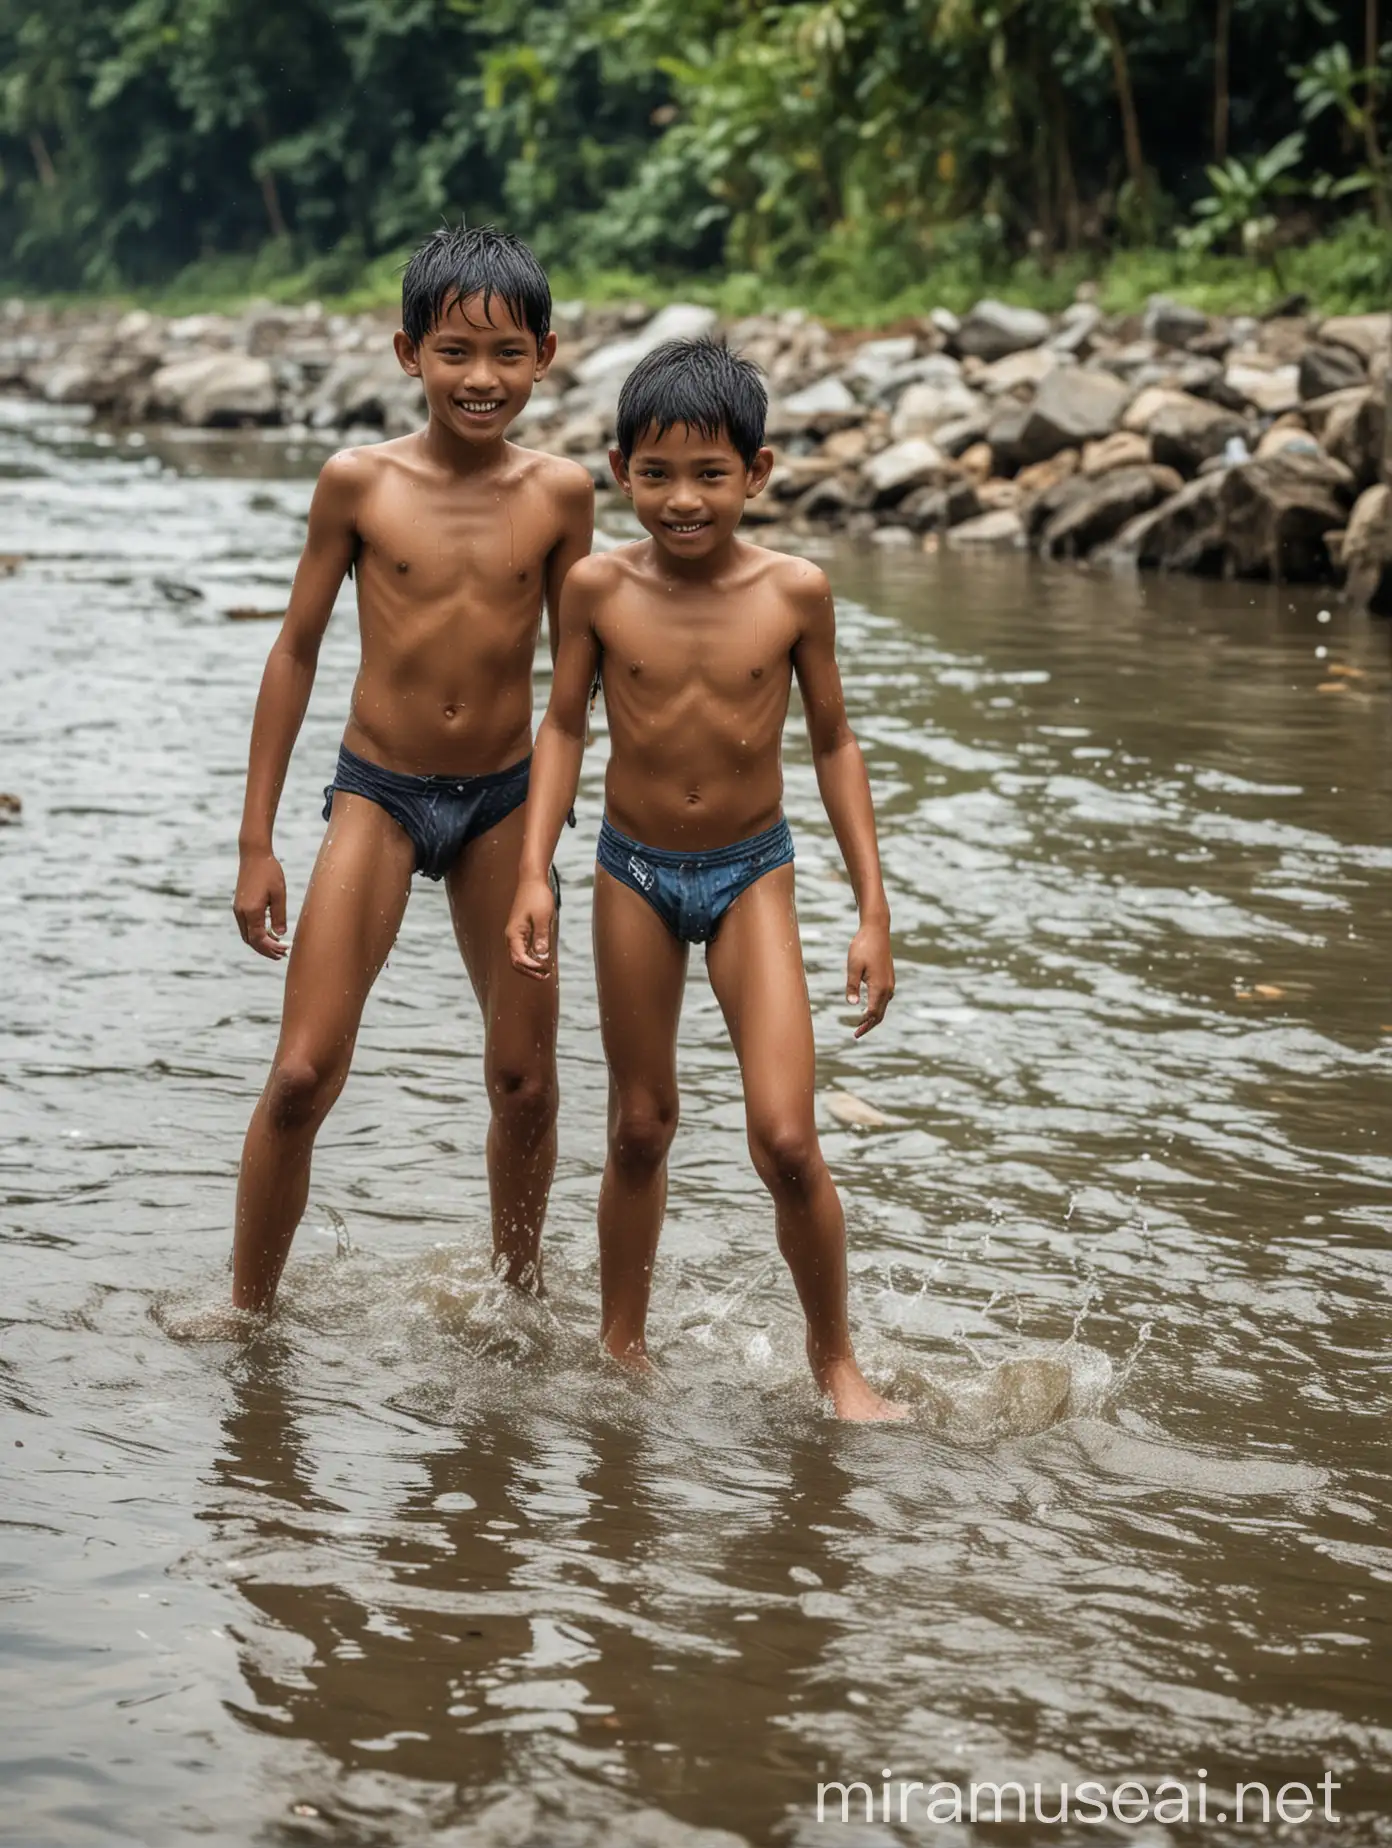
853 1398
633 1358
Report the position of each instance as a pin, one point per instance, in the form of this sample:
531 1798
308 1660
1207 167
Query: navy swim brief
439 814
691 892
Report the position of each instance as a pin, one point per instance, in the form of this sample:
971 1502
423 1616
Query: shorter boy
697 635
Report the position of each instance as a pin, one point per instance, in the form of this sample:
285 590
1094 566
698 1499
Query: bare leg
519 1059
352 911
641 972
755 965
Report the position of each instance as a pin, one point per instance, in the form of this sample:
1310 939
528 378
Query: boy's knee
786 1155
642 1132
300 1092
524 1098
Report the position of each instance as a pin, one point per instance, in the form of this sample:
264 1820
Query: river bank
1172 439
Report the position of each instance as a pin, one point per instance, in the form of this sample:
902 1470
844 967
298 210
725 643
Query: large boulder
1276 514
1091 517
928 509
1122 449
1172 323
894 472
828 397
1368 335
215 390
1001 529
1073 406
1186 431
364 389
1329 368
1269 390
1021 371
617 358
931 402
1367 551
1353 433
993 329
1184 533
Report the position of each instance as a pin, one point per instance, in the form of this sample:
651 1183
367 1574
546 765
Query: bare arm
286 684
845 790
556 760
577 536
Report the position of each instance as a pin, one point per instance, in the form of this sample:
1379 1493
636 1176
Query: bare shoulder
601 573
805 586
349 471
567 483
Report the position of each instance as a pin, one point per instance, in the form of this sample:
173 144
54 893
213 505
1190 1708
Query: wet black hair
700 383
458 261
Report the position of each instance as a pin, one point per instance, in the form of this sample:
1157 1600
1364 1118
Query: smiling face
478 370
689 489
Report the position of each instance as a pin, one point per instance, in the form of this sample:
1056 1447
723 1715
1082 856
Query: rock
931 402
1272 392
829 500
848 445
1078 323
1353 434
1072 406
1108 502
1017 371
215 390
1275 514
930 509
1329 368
1186 431
617 358
11 808
1002 529
828 396
1147 404
1123 449
945 322
794 475
1213 344
875 360
975 462
363 389
1282 338
1292 439
1318 411
580 434
997 494
1039 476
1368 335
1367 551
892 537
992 329
1005 433
914 463
1181 534
960 434
1173 324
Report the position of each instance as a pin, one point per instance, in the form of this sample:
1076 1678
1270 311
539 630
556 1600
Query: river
412 1567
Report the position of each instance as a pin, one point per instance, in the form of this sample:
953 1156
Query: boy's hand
261 889
531 928
870 965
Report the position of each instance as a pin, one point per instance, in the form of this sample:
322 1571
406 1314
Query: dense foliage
881 137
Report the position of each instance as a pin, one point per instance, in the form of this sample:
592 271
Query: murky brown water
413 1568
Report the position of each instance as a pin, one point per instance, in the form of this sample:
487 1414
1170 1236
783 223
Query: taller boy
455 536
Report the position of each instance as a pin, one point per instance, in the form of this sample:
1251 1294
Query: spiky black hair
700 383
456 262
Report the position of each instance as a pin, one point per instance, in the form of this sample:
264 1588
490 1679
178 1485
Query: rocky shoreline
1171 440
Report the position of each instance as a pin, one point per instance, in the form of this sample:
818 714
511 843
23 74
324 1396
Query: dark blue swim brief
691 892
439 814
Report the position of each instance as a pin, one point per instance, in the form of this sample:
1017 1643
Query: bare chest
425 549
669 658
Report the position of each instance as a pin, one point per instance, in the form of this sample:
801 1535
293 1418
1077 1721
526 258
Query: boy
455 535
697 635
